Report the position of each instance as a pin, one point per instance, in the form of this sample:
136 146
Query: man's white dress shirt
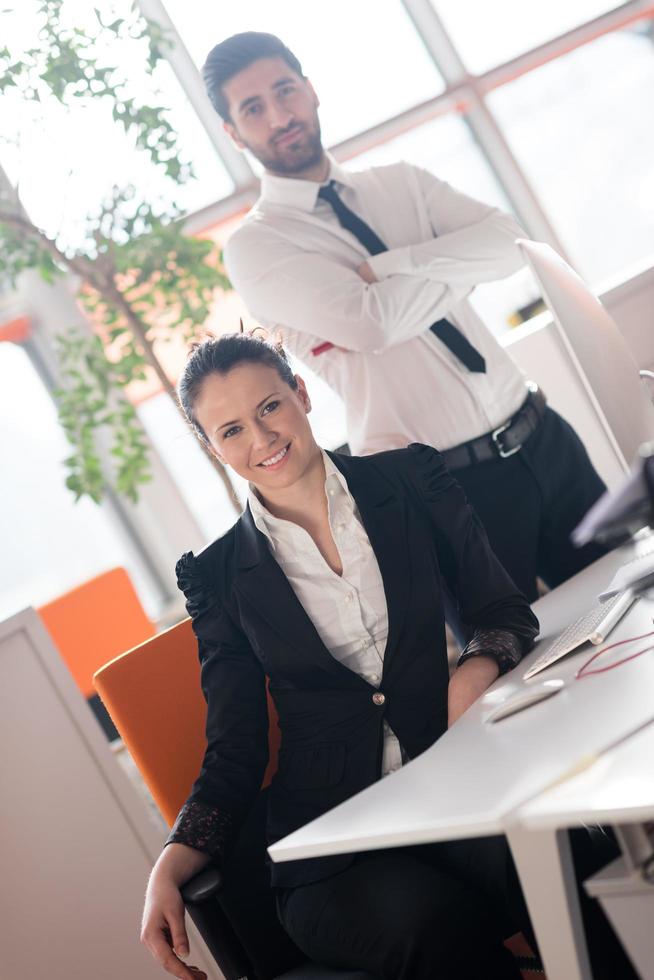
295 268
348 611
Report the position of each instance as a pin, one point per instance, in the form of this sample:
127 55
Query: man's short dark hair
236 53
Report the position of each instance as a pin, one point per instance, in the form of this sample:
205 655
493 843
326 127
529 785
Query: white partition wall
76 843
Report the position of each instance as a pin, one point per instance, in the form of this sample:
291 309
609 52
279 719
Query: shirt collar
272 527
300 194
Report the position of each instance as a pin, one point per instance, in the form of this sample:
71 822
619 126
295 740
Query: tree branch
113 295
80 266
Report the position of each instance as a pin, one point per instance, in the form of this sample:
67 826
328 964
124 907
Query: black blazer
250 626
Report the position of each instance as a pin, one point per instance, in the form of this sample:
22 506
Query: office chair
92 623
153 695
154 698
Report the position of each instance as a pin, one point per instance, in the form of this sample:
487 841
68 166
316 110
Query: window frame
465 92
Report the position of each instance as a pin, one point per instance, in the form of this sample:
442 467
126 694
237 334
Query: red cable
584 672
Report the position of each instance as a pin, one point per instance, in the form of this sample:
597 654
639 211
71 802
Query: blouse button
378 698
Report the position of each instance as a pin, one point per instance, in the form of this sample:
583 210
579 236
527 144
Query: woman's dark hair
218 355
236 53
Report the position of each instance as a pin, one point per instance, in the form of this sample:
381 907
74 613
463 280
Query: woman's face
257 424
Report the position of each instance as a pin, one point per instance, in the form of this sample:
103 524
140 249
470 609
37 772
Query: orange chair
160 679
153 695
92 624
154 698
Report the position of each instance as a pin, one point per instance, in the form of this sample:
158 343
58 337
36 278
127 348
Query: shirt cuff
203 827
503 646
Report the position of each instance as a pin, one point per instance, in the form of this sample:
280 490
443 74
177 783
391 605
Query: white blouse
348 611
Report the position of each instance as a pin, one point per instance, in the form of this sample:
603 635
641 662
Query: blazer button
378 698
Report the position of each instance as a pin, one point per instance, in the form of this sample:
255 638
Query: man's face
274 114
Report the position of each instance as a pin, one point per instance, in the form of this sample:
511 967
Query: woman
330 585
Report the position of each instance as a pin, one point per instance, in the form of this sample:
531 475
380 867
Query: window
581 127
66 162
49 543
365 60
199 484
487 34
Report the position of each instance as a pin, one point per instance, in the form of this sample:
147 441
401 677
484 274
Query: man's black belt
504 441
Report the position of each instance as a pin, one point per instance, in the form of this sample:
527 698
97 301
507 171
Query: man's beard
292 160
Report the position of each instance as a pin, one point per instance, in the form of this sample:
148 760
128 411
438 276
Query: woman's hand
468 682
163 930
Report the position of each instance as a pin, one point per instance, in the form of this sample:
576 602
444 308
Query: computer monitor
627 508
605 364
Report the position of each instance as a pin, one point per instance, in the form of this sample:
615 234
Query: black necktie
444 330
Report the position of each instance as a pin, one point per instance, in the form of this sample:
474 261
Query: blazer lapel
383 513
262 582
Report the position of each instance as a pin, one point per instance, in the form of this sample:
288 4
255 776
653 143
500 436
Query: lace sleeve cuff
503 646
203 827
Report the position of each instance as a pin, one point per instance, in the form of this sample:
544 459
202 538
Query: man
368 275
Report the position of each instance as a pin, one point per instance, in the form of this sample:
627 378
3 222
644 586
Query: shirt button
378 698
374 678
348 597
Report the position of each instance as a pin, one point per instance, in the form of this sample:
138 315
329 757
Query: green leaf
133 243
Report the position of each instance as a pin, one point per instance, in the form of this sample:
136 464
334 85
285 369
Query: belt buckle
495 436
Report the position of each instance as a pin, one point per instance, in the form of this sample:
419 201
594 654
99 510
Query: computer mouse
525 698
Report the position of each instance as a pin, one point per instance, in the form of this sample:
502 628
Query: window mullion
510 174
481 122
190 79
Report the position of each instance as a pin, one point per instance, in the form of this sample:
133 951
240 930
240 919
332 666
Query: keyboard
594 627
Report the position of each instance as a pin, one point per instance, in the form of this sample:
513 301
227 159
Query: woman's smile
278 460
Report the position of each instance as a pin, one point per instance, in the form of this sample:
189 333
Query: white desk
474 779
618 789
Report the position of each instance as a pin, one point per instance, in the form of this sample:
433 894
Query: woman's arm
232 770
163 929
501 621
467 683
234 688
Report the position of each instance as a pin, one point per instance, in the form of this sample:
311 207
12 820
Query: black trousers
437 912
530 502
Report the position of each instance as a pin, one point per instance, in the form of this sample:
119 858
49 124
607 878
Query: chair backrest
95 622
154 698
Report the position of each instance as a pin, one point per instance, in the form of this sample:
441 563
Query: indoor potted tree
138 275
